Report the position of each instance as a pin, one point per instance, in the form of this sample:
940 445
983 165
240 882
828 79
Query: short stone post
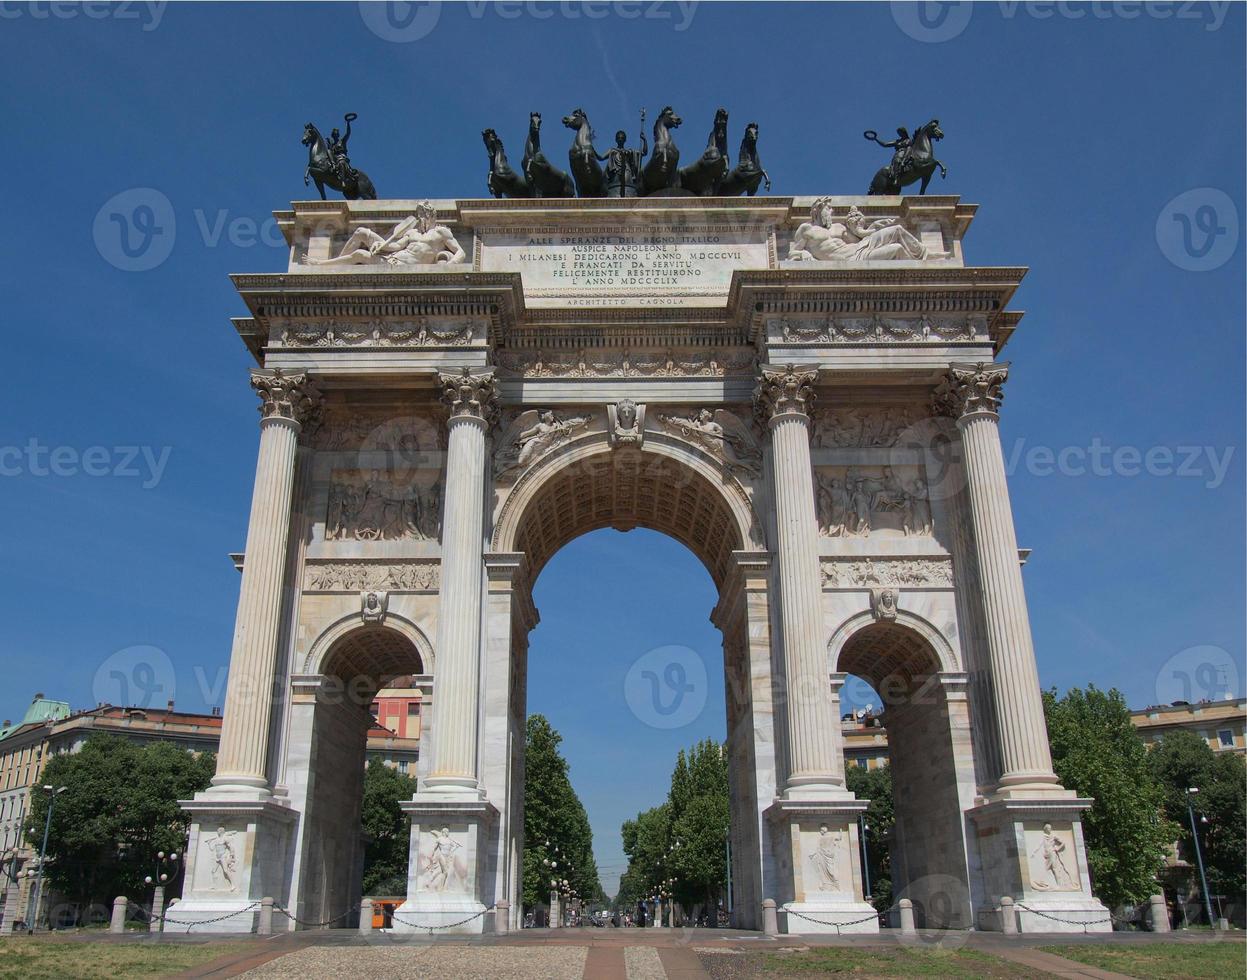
118 922
365 917
502 917
265 926
770 918
1160 913
156 922
1008 917
907 917
556 915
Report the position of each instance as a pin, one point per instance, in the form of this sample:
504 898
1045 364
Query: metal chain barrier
164 918
838 925
315 925
448 925
1072 922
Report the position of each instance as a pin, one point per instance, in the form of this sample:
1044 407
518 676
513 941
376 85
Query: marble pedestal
1032 851
446 867
236 855
819 868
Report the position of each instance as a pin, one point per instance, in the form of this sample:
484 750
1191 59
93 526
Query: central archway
675 489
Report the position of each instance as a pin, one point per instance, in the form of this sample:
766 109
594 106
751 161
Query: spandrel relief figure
533 434
416 240
721 434
826 238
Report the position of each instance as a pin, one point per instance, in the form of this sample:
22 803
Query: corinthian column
816 764
971 394
288 402
473 404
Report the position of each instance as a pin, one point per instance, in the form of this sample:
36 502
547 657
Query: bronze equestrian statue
502 180
662 173
913 159
704 176
748 173
329 164
584 159
544 179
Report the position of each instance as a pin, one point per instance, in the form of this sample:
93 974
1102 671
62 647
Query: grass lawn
51 959
861 962
1179 961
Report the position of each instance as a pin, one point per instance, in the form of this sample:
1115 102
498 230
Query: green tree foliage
556 827
684 839
120 807
876 785
387 830
1182 760
1096 752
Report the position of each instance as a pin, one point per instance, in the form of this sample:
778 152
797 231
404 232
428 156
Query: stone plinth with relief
804 391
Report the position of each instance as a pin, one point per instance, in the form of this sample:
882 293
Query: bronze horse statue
919 163
748 172
544 179
662 172
322 168
586 170
704 176
502 180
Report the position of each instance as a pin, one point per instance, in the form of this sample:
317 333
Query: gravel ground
418 962
642 963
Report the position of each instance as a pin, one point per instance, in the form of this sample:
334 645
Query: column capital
784 391
969 389
469 395
294 397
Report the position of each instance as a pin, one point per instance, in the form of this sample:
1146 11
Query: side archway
370 647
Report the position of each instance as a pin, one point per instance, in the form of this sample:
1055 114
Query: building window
402 766
1226 738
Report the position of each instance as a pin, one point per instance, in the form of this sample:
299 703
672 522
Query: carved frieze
371 507
849 573
413 437
854 428
369 576
376 332
878 329
859 500
671 363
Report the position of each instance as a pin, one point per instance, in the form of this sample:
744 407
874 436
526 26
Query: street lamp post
53 793
155 922
1199 856
865 859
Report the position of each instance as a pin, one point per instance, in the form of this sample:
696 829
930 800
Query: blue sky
1075 132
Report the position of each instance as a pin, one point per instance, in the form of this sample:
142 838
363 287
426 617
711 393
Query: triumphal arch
805 392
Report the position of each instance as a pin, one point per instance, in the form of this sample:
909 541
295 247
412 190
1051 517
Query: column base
236 855
1032 851
446 865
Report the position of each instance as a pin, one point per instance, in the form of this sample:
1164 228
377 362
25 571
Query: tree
876 785
1182 760
1096 752
119 809
387 829
558 841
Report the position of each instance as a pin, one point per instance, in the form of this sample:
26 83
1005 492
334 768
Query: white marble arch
939 644
733 563
934 862
323 647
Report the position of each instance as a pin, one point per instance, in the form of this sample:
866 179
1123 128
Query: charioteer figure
623 165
